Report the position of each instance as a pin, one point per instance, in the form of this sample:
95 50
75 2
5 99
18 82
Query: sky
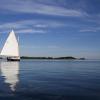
53 27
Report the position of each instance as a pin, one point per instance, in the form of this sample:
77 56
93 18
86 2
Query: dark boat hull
12 59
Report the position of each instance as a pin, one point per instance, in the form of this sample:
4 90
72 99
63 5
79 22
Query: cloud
32 23
11 25
41 26
33 31
31 26
39 8
90 29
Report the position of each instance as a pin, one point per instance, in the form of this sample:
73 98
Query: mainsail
11 47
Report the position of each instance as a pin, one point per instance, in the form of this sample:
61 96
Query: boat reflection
10 71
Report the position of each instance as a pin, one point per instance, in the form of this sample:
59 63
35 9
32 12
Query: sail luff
11 47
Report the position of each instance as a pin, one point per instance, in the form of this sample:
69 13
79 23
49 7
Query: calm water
50 80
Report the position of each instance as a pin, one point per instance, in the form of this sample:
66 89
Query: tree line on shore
67 58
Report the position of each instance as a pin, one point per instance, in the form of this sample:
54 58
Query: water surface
50 80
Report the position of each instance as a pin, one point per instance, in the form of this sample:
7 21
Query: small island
54 58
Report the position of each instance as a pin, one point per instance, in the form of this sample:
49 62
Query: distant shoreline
53 58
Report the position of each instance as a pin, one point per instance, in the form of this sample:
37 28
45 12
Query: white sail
11 47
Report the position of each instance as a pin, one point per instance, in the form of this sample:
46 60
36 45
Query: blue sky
53 27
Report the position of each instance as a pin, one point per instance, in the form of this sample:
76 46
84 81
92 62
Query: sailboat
11 48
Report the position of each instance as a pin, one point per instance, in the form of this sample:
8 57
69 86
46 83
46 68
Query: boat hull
13 59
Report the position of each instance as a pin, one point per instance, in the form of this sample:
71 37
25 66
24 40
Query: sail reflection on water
10 71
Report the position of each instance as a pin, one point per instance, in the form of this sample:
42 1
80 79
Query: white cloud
30 26
41 25
33 7
33 31
90 29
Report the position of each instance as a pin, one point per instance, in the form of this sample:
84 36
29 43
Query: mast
11 46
